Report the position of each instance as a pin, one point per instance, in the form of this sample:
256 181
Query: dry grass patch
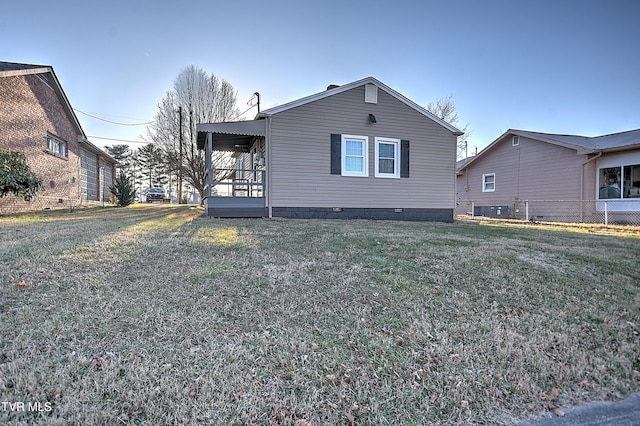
156 315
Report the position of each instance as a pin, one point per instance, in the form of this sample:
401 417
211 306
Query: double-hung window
355 155
387 158
489 182
56 146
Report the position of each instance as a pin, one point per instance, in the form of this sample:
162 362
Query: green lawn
157 315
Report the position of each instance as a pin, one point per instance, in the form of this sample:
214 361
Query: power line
114 122
244 112
118 140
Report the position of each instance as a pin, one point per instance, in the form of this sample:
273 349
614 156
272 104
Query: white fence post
473 209
606 214
526 210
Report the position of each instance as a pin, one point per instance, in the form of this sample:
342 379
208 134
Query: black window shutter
336 154
404 158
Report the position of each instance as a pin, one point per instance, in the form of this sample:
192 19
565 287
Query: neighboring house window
619 182
631 181
387 158
56 146
489 182
515 141
355 155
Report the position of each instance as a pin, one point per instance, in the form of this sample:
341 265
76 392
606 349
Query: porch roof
235 136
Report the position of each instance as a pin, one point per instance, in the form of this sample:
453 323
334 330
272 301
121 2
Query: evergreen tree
123 190
152 165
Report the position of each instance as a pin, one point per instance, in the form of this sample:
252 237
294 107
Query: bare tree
196 97
445 109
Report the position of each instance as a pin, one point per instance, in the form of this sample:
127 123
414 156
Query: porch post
208 165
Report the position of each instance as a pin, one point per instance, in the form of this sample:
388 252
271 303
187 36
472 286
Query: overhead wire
247 110
135 124
118 140
114 122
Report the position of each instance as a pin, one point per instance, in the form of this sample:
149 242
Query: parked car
156 194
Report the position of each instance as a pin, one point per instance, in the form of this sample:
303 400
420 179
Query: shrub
16 177
123 190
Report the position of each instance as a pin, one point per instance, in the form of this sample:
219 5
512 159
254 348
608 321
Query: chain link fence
605 212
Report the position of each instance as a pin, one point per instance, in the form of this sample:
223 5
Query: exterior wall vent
371 94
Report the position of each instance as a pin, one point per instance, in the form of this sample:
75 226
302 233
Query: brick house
37 119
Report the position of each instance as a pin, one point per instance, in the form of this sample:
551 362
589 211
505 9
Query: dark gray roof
582 144
13 66
579 141
618 140
614 140
462 162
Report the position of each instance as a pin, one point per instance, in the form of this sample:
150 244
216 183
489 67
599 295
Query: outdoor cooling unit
500 212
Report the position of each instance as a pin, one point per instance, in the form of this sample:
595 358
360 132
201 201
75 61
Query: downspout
582 183
269 168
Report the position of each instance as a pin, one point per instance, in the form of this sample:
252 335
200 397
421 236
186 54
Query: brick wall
29 111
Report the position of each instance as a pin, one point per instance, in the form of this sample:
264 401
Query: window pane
353 164
385 166
609 183
631 185
354 148
488 183
386 150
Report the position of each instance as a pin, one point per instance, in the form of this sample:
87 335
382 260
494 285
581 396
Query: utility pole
257 95
180 160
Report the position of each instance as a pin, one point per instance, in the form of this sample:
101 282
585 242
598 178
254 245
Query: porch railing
246 183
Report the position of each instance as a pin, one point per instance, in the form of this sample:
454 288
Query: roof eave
621 148
26 71
65 101
343 88
96 150
580 149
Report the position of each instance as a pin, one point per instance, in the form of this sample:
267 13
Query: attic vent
332 86
371 94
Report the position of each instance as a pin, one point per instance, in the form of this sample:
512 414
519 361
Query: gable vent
371 94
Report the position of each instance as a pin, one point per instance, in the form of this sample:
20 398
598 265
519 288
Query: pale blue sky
555 66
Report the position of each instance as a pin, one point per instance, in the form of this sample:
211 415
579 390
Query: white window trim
484 182
365 155
396 162
371 94
515 141
57 144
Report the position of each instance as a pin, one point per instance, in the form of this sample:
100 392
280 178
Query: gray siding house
522 165
360 150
